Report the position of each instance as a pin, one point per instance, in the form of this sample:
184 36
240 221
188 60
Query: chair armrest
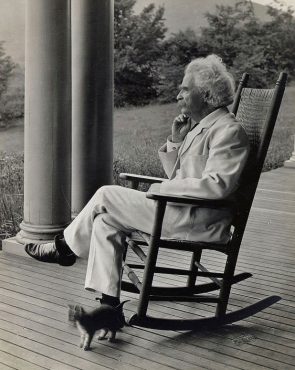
141 178
229 202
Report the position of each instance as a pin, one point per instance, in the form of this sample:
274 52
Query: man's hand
180 127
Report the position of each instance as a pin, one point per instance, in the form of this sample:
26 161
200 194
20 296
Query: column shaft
92 77
47 183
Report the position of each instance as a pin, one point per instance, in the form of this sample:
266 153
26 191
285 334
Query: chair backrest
257 110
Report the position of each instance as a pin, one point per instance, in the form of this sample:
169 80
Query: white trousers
99 231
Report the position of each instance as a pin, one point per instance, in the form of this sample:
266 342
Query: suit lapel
205 123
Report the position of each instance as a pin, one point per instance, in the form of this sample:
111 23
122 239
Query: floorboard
35 334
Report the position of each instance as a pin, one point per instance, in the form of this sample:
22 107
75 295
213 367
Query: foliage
182 47
177 52
137 46
263 49
6 68
149 68
223 35
11 196
277 46
246 44
12 100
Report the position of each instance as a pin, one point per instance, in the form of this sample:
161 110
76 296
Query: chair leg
151 260
148 277
191 280
224 297
226 285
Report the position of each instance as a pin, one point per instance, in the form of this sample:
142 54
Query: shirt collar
208 121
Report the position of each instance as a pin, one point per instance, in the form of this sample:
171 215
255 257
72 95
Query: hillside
178 14
190 13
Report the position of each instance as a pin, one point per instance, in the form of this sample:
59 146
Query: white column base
39 233
290 163
12 246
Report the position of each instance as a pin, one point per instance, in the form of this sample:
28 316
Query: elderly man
203 158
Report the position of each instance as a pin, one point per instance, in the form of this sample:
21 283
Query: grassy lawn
11 196
138 133
282 143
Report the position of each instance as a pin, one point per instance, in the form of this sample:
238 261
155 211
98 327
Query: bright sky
268 2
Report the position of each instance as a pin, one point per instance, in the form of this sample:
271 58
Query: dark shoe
56 252
109 300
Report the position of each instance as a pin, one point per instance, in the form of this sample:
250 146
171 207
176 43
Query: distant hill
179 14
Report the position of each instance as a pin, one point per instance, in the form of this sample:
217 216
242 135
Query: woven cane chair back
257 110
252 112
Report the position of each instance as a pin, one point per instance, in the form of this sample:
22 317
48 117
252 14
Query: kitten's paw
112 336
102 334
101 337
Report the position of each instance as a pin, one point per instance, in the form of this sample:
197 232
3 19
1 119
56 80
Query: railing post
92 61
47 181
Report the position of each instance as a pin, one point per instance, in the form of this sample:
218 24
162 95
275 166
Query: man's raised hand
180 127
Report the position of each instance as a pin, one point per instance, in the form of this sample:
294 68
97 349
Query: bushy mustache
181 104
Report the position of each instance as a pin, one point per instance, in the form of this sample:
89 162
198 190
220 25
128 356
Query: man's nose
179 96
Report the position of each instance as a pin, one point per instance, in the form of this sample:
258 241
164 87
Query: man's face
189 97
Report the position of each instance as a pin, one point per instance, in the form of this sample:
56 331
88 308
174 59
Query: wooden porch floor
34 333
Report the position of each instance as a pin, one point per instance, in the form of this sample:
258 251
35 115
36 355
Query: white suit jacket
207 165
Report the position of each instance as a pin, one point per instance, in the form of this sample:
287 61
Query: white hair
216 85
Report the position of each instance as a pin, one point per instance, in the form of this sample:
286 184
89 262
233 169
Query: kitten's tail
120 306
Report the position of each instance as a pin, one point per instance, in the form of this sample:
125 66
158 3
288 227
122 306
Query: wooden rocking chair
257 110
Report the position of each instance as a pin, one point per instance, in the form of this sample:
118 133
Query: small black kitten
105 318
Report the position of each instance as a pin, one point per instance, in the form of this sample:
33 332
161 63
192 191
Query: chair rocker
257 110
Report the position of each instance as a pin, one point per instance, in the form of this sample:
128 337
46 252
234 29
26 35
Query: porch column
47 180
92 78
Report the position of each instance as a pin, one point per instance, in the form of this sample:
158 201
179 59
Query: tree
6 68
177 52
182 47
223 36
248 45
137 47
147 67
268 48
279 40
